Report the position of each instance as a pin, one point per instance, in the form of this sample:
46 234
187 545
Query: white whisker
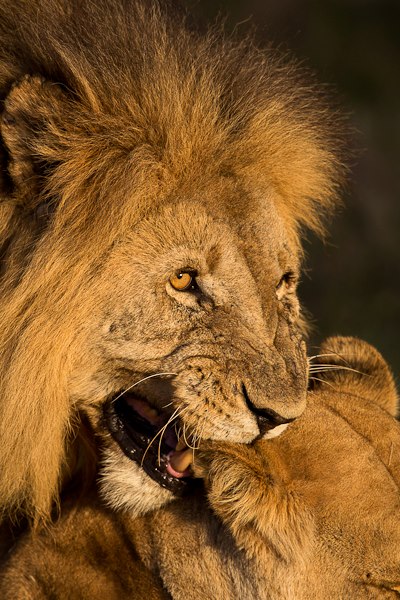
186 440
140 381
175 415
160 431
323 381
327 367
167 405
322 355
340 356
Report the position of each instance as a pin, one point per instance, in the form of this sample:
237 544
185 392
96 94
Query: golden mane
137 105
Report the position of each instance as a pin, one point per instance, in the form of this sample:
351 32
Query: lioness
154 185
314 513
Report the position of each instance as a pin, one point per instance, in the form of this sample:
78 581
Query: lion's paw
247 490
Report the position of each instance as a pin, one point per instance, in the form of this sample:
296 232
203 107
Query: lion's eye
286 284
183 281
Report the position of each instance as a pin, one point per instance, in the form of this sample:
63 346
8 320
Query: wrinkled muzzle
239 398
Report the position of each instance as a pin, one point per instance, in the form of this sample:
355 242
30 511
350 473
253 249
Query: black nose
266 417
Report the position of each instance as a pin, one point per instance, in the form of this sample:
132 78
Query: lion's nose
266 417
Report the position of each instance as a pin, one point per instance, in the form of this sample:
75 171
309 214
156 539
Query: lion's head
155 184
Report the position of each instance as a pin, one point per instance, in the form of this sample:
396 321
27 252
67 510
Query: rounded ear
29 125
358 368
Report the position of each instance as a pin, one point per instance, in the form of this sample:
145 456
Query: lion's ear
29 126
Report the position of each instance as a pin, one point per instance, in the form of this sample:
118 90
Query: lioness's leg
248 490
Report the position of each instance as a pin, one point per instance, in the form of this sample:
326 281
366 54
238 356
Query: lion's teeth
181 461
143 408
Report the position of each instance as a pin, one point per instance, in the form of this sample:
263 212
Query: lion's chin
124 486
148 438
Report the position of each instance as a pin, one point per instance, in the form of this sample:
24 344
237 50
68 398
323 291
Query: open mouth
149 438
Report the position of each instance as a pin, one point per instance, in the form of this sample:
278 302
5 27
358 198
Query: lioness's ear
362 369
30 118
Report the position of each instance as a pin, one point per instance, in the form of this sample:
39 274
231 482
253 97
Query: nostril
264 424
266 417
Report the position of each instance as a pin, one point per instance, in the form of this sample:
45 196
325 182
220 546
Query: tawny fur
313 513
134 147
110 111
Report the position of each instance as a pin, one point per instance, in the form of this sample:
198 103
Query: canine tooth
144 409
180 461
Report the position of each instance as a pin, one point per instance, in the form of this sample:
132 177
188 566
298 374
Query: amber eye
182 281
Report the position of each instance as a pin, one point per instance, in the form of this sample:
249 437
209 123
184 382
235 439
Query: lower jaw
152 458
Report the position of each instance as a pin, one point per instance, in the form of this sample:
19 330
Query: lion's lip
135 425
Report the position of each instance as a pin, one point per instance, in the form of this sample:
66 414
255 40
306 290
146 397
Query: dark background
351 284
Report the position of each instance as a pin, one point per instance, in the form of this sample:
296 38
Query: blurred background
351 284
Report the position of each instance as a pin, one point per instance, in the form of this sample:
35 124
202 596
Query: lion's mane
111 97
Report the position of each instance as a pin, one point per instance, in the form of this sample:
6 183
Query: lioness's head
155 185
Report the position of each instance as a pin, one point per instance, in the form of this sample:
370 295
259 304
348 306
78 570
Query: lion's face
192 335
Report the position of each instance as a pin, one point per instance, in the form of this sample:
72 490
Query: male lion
154 185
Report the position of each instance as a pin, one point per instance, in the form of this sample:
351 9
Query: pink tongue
172 471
